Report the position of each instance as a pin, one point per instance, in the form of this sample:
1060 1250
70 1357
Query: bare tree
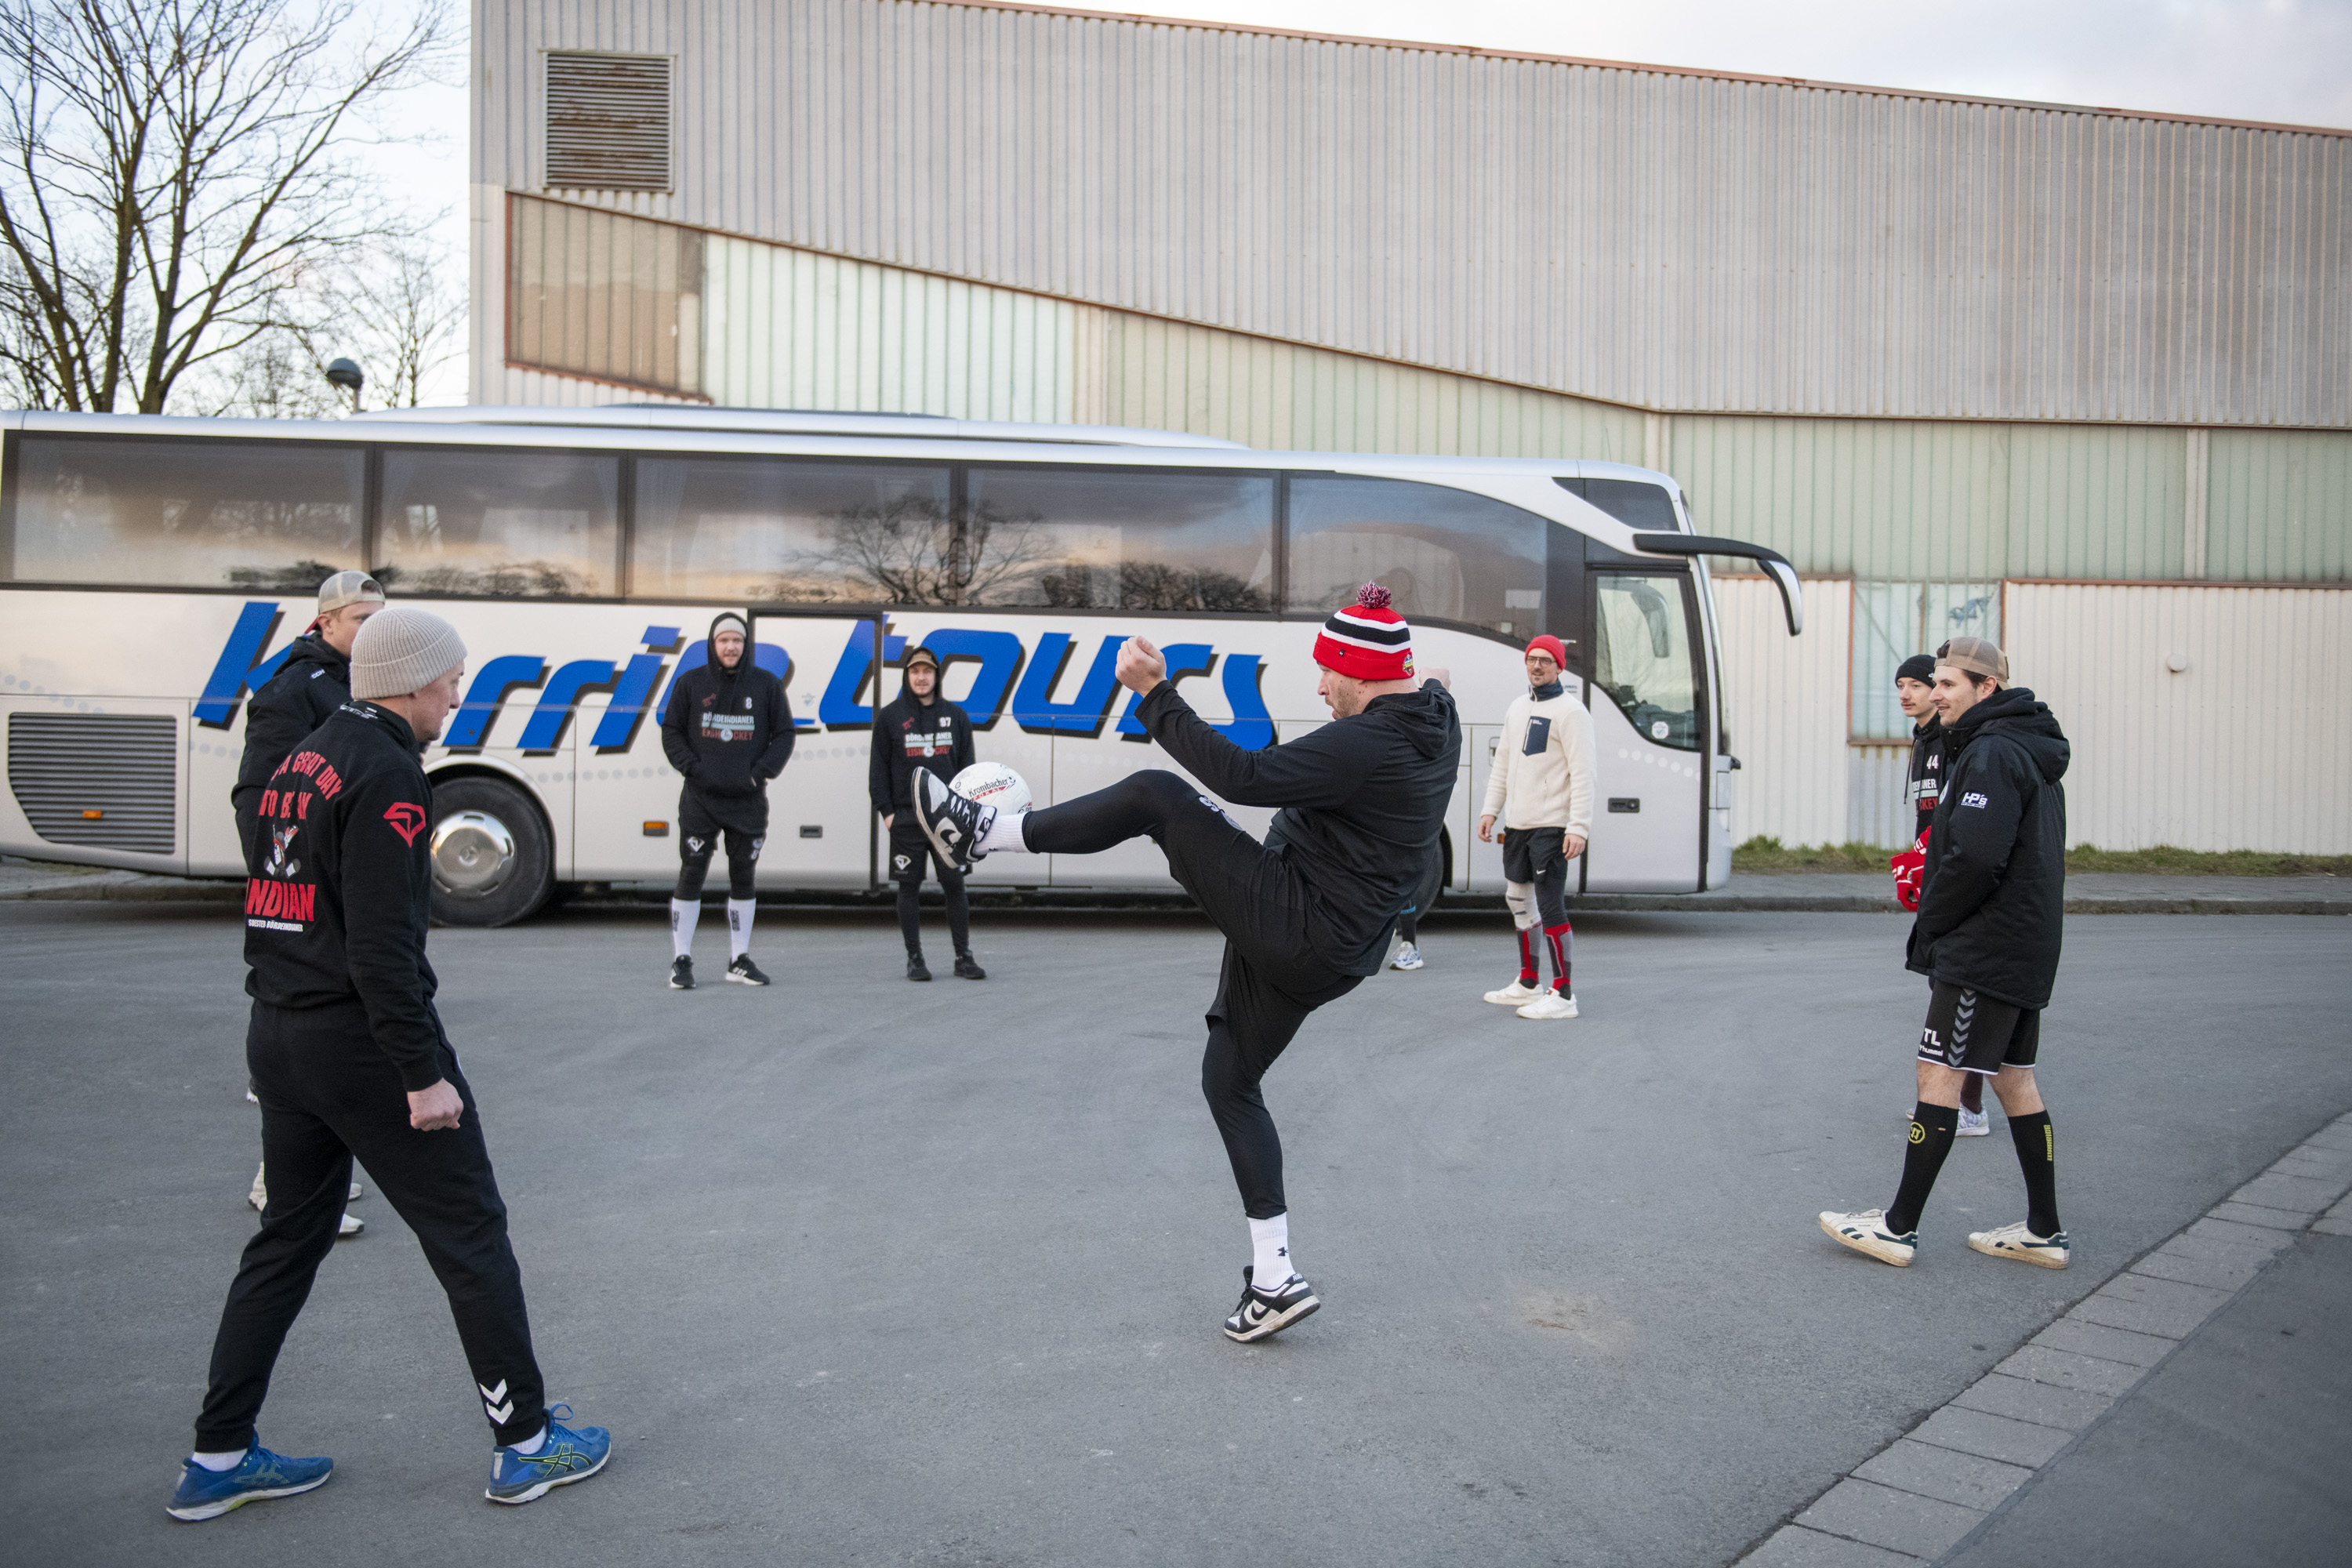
171 173
401 316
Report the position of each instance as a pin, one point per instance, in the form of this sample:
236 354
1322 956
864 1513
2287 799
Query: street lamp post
346 374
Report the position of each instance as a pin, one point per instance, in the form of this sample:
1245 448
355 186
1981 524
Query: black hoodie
910 733
1926 784
1994 896
311 684
727 731
1362 800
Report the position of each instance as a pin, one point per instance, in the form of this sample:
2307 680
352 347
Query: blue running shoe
208 1494
566 1456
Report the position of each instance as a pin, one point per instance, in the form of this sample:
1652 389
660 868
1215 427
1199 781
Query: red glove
1910 869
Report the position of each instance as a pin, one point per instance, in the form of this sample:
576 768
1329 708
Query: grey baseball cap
1976 656
347 588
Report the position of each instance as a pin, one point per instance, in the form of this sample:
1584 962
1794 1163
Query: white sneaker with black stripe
1261 1316
1865 1231
2019 1241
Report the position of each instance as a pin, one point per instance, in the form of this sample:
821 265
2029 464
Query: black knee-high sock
910 915
959 916
2037 1155
1932 1127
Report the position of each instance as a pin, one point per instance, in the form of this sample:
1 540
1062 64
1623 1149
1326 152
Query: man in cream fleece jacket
1540 791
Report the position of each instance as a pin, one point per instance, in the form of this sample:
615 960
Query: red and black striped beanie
1367 639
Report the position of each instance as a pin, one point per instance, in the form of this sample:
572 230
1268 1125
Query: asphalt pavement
860 1271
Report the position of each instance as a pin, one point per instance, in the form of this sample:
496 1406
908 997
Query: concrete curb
1934 1489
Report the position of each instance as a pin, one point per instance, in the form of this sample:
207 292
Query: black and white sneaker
1261 1316
681 973
743 972
954 826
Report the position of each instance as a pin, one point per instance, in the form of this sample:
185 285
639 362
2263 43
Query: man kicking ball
1306 914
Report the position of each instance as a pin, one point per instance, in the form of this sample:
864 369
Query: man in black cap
729 729
1914 690
921 731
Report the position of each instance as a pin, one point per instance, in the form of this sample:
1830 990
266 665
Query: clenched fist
1139 667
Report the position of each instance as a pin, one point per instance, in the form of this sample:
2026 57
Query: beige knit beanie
400 651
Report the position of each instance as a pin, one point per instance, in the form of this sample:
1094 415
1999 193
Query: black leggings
1272 976
694 863
327 1093
910 913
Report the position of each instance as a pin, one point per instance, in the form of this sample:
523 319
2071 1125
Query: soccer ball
993 783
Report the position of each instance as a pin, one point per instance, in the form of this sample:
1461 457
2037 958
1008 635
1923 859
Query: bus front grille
105 780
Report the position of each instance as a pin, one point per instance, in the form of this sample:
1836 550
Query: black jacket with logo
1993 901
1925 783
729 731
910 733
1363 797
339 885
312 684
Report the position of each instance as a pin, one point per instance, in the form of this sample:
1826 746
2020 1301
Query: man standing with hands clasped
1540 789
349 1058
729 729
1986 935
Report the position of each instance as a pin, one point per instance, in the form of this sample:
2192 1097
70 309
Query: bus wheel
493 862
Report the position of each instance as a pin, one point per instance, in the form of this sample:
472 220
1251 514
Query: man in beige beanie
349 1060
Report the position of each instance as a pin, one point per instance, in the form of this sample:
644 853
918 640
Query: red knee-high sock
1527 956
1562 937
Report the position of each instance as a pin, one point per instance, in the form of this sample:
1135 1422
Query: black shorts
1530 854
910 846
1970 1032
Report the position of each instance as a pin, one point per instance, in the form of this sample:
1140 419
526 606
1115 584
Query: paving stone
2252 1214
1939 1473
2186 1266
2332 1136
2230 1233
2328 1224
2065 1369
2316 1164
2020 1399
1882 1516
2149 1305
2296 1195
1975 1432
2108 1344
1794 1546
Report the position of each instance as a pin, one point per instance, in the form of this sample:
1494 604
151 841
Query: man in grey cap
349 1058
313 682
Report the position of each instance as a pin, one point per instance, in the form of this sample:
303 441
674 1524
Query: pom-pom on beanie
400 649
1367 639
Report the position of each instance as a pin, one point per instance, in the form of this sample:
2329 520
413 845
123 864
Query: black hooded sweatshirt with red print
727 731
339 887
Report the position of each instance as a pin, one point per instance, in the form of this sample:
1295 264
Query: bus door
1649 728
822 832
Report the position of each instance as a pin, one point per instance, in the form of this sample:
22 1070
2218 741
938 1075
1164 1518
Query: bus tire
493 859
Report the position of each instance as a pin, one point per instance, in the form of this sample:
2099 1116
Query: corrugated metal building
1926 346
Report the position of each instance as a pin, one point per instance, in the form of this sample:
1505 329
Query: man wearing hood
1306 914
921 731
729 729
1987 936
315 680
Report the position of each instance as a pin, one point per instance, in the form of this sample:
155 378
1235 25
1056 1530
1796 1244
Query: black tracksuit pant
1272 977
327 1095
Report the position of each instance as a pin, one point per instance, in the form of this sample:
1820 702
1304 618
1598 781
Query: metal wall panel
2239 747
1785 706
1660 239
2281 509
1877 811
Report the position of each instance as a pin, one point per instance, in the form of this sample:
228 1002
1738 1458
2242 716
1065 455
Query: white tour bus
153 572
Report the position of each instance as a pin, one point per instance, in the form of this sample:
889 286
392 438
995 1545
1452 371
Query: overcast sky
2284 61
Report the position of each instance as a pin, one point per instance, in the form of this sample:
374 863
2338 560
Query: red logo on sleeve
407 819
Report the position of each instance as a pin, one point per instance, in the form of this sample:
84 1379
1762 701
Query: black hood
1426 718
312 648
710 646
2015 714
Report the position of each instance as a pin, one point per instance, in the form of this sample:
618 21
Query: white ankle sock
683 914
534 1446
222 1463
1004 832
738 926
1270 1240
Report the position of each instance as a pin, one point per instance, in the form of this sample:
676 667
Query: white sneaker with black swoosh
954 825
1261 1316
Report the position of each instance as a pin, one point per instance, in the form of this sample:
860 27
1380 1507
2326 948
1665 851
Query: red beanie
1367 640
1550 645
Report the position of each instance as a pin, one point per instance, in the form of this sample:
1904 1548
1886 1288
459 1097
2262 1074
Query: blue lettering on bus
240 665
488 694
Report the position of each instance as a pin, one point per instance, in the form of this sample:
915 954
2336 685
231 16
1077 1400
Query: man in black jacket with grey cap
312 683
349 1060
1991 909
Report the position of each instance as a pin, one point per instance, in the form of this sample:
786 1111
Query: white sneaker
1974 1124
1865 1231
1407 957
2017 1241
355 1194
348 1227
1550 1005
1517 993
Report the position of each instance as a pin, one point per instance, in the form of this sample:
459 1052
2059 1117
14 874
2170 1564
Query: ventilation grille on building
107 781
608 122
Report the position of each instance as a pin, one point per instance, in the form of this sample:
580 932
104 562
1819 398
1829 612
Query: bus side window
1120 539
778 531
1641 657
511 524
1641 506
1443 555
266 517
